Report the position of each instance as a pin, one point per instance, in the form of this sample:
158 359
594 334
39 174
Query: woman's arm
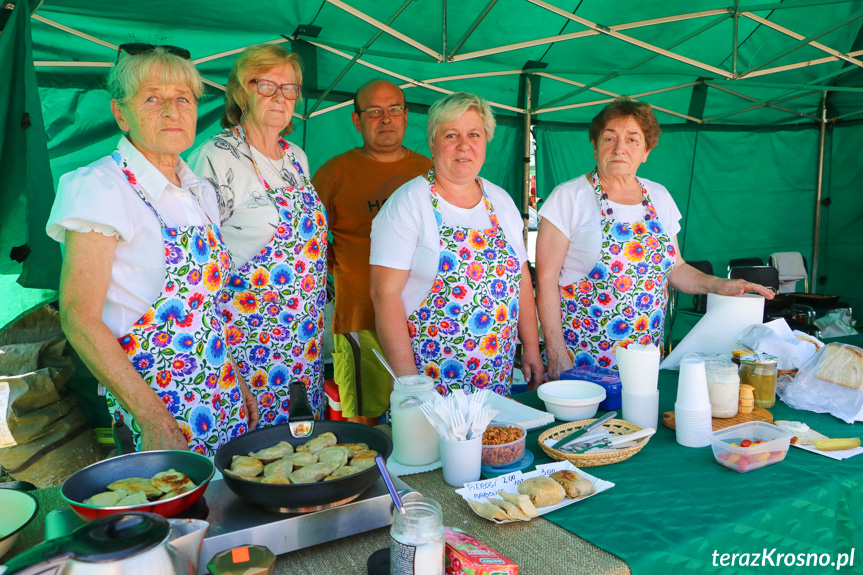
249 399
551 248
528 333
84 283
685 278
386 285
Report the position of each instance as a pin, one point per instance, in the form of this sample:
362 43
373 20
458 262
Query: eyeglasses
290 90
393 111
137 48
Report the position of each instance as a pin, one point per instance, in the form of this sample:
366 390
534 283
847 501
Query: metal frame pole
525 196
818 190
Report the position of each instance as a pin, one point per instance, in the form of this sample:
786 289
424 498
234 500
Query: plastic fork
459 425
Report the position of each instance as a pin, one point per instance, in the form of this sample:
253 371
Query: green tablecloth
672 507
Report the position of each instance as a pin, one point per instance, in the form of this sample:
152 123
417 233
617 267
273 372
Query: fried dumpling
273 453
246 466
523 502
178 491
575 485
319 443
542 491
312 473
353 448
488 510
512 511
364 459
282 467
303 458
137 498
276 478
134 484
105 499
170 480
335 454
342 472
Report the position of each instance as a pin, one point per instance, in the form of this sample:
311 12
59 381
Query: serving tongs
301 419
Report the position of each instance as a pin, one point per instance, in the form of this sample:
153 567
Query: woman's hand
161 431
558 361
741 287
531 366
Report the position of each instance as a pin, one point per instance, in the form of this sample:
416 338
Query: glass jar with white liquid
415 441
417 541
723 387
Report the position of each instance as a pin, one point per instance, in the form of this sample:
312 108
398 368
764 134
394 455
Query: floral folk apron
623 298
464 332
178 346
274 304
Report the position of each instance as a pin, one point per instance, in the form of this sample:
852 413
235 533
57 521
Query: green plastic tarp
739 88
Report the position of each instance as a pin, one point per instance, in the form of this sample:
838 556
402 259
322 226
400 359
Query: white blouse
248 216
99 198
405 233
574 210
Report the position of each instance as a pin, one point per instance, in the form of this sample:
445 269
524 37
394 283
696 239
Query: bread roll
542 491
575 484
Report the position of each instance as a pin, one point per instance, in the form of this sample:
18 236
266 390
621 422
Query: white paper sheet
480 490
839 455
717 331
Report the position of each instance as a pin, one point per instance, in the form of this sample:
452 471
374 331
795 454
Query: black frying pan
308 496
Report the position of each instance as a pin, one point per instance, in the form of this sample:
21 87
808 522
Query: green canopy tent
760 102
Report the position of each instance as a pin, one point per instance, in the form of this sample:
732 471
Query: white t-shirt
574 210
248 216
405 232
99 198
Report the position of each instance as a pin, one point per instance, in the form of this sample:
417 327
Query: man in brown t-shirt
353 187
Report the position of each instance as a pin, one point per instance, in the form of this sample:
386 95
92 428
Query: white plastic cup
692 391
461 460
639 368
642 409
693 427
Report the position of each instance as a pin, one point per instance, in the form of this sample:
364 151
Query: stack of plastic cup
692 411
639 374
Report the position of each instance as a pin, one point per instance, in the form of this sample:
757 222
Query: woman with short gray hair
449 278
144 263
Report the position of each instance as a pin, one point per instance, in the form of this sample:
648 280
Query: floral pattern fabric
623 297
179 346
274 303
464 333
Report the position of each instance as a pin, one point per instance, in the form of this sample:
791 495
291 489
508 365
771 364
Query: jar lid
755 359
741 351
719 365
414 382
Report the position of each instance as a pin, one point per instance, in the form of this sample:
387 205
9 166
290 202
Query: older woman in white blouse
275 227
144 263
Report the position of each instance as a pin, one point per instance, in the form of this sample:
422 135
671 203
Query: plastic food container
504 453
773 449
571 400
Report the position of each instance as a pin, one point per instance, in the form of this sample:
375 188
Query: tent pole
818 191
525 196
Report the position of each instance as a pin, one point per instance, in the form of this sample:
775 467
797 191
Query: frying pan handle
299 409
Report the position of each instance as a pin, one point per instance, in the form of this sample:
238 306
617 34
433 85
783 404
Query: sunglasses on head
137 48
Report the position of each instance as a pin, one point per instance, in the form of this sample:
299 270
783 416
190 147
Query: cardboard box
466 554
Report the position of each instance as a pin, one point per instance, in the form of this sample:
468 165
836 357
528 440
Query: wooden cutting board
758 414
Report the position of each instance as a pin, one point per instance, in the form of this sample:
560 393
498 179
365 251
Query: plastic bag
828 383
836 323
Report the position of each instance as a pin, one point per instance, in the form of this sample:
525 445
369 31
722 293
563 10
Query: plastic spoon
397 501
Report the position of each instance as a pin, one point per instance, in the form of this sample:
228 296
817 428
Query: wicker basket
614 427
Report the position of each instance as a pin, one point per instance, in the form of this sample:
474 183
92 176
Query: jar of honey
760 372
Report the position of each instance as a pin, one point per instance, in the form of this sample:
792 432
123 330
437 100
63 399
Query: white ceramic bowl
571 399
18 509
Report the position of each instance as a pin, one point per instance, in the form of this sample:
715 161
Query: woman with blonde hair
144 264
276 229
